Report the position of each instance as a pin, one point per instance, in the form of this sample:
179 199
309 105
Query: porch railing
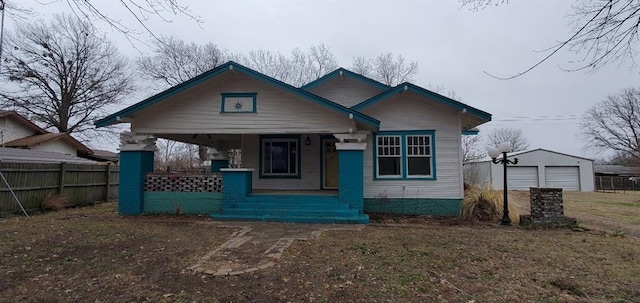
183 182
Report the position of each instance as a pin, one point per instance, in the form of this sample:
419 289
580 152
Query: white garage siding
538 168
565 177
522 177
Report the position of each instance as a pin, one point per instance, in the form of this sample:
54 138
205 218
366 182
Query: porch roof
120 116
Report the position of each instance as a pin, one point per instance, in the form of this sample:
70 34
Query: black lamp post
503 148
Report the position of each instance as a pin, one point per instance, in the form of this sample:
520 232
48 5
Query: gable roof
28 142
486 117
345 73
522 152
118 116
22 120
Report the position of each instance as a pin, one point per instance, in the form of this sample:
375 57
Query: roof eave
116 117
484 116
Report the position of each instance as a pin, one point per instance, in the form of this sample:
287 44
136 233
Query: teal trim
261 174
189 203
419 206
345 73
134 165
486 117
232 66
351 176
217 164
238 95
470 132
403 151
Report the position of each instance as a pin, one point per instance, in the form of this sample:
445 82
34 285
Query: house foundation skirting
424 206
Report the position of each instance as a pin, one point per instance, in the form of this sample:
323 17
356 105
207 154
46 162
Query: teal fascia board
113 118
345 73
427 93
470 132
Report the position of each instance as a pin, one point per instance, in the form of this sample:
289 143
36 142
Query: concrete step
265 205
357 219
291 212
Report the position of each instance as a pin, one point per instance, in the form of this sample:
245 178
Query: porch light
503 148
307 141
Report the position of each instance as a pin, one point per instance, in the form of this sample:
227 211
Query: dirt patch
94 255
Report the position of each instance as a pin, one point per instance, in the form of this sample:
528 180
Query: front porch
313 196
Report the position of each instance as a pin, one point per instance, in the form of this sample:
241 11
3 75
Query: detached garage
535 168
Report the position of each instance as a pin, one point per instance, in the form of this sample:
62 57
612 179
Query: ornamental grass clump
485 204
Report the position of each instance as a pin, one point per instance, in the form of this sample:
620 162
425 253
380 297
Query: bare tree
176 155
605 31
174 61
386 68
142 12
62 74
471 149
297 68
614 124
512 135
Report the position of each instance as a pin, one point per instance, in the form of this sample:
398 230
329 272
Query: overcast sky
452 45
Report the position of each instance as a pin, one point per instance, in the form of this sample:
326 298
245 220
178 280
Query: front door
330 164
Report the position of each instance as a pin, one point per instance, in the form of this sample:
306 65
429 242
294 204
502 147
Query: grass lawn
612 212
93 255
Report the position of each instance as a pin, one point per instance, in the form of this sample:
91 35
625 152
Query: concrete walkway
258 245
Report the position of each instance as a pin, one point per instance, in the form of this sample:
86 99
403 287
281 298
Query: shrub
485 204
54 203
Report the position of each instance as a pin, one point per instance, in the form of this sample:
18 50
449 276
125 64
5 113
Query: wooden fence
80 184
617 184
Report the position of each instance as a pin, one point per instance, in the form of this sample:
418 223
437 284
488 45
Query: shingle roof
15 155
28 142
26 122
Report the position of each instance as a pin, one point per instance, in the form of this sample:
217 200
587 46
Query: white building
535 168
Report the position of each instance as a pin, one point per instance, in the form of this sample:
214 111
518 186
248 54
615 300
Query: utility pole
2 5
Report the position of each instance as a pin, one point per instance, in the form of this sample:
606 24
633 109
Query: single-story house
535 168
16 131
616 170
329 151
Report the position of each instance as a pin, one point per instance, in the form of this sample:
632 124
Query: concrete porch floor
295 192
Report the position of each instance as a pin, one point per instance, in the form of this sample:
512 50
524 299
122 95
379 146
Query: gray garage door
522 177
565 177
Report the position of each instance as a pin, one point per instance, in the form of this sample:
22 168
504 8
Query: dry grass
54 203
486 204
607 211
91 254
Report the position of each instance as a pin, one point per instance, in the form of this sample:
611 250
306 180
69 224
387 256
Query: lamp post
503 148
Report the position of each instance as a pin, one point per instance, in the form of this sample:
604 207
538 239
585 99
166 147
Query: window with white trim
418 156
280 157
389 156
404 155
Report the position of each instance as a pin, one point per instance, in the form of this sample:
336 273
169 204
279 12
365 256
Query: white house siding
346 91
197 110
56 146
412 112
12 130
309 165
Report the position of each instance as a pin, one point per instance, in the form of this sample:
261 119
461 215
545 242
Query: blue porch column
351 174
236 185
217 164
136 160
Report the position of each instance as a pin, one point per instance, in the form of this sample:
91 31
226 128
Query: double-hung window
389 156
280 157
405 155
